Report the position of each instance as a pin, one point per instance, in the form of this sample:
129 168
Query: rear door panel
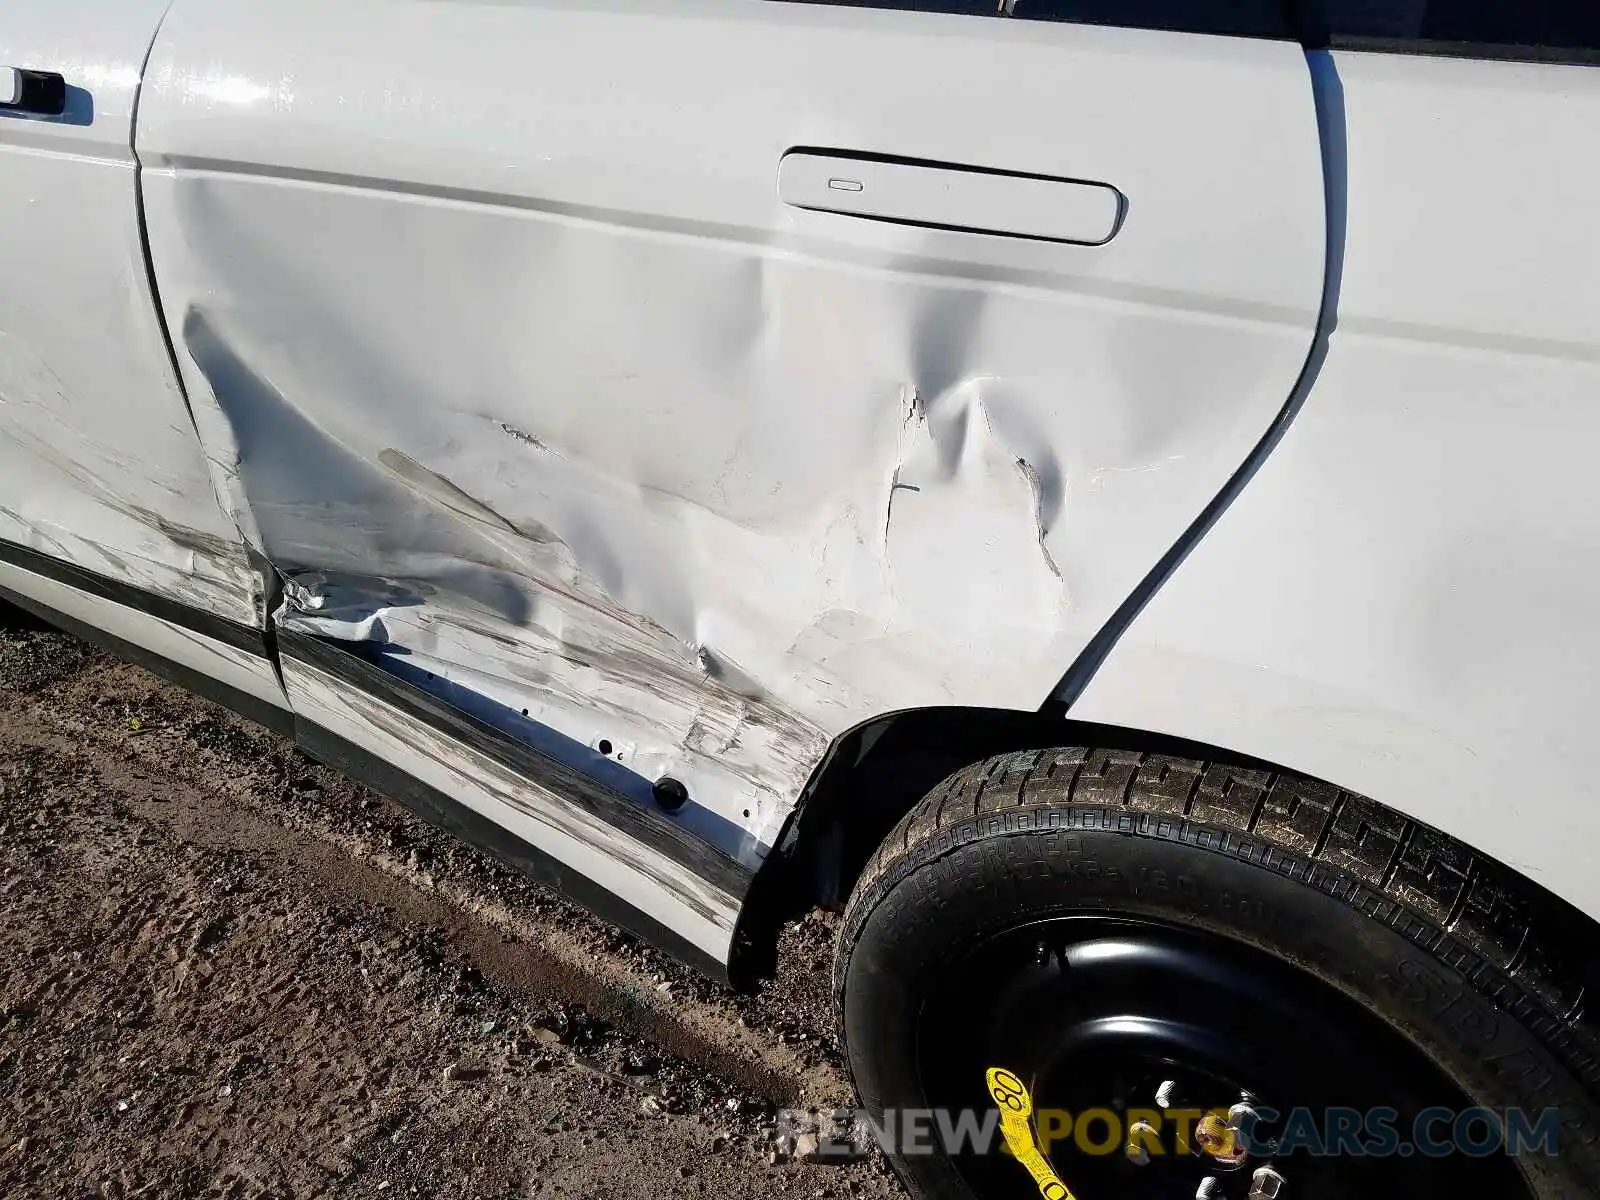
526 375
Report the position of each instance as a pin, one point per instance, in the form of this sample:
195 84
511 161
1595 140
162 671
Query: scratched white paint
520 364
251 674
99 462
645 878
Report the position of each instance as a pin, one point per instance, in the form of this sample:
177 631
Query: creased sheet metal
562 401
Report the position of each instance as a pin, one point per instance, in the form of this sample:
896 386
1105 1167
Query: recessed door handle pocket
43 93
951 196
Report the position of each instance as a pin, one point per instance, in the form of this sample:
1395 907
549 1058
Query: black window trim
1577 56
1308 15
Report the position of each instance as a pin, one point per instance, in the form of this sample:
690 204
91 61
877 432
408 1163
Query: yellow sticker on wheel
1011 1097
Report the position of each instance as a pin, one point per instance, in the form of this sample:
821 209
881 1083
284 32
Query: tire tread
1396 869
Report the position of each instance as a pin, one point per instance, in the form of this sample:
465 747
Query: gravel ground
228 971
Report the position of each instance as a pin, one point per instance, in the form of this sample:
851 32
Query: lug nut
1165 1092
1242 1117
1138 1150
1266 1184
1210 1188
1241 1124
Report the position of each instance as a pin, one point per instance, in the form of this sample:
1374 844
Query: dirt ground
227 971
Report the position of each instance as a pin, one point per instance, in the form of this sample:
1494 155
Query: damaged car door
108 517
669 389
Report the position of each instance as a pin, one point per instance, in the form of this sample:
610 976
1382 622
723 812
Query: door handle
40 92
951 196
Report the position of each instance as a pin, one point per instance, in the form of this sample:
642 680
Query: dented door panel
99 463
656 879
523 375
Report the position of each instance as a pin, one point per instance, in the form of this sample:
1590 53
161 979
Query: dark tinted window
1237 18
1234 18
1551 25
974 8
1555 29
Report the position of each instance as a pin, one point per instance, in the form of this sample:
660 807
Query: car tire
1287 905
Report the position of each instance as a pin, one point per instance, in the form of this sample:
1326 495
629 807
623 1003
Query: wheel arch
874 774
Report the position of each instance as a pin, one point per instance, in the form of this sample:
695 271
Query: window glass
1233 18
1238 18
1551 25
1558 29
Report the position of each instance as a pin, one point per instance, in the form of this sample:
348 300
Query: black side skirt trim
456 819
429 803
645 824
209 625
279 720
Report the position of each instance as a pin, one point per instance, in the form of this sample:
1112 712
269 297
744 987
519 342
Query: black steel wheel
1254 1022
1107 1017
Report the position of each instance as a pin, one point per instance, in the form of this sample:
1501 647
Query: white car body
526 402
